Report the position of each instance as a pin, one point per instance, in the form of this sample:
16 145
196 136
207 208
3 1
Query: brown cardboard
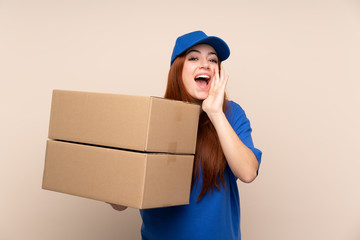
131 122
134 179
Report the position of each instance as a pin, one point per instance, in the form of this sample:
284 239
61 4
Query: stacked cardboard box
130 150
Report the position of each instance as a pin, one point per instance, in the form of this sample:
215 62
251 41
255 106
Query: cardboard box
140 123
129 150
134 179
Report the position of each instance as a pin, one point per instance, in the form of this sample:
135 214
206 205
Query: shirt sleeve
241 125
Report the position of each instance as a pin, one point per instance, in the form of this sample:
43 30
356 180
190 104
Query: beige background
294 67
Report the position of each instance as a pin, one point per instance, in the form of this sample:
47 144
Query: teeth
203 76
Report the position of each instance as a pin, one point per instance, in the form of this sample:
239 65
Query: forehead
203 48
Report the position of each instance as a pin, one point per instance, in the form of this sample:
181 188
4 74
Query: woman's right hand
118 207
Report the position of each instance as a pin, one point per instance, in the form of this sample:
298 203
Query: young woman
224 150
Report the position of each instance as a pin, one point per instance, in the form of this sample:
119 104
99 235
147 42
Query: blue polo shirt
217 215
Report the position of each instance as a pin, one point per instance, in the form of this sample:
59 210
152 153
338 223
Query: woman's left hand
242 161
214 102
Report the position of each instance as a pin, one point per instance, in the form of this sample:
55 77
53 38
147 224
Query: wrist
216 116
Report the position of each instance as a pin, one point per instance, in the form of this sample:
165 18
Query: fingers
214 101
117 207
224 78
220 79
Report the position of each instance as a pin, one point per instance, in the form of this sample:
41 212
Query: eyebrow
193 50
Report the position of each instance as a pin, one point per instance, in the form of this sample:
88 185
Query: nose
204 64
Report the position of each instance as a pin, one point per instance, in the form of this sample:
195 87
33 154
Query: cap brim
221 48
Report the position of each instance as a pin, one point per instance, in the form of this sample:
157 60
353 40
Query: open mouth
202 80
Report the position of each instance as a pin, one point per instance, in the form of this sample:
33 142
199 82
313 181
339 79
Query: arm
240 158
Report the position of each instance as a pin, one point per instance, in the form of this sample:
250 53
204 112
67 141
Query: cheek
188 68
187 72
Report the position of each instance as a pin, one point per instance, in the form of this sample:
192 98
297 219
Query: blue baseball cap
188 40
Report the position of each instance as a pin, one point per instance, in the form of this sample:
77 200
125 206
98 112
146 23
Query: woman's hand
118 207
214 102
240 158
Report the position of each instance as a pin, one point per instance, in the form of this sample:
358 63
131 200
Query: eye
214 60
193 58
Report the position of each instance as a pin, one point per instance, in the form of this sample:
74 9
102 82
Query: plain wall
294 68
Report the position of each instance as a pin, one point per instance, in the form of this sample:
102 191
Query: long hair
209 155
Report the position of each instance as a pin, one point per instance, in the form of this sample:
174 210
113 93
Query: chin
201 97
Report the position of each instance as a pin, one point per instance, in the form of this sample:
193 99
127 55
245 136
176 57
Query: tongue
201 83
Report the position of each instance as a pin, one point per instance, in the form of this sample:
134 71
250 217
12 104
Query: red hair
209 155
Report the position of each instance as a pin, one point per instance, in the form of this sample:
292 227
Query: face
199 70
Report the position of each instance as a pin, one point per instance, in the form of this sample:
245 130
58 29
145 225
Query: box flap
173 126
